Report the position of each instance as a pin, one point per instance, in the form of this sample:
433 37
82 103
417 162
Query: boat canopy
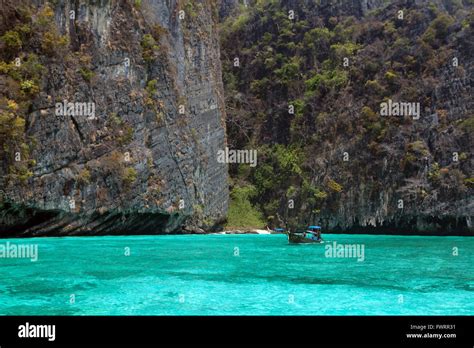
314 227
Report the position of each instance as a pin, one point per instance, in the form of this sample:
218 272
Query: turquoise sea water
238 275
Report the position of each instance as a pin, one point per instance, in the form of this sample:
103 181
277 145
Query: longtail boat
312 234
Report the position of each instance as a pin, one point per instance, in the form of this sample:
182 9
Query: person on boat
315 232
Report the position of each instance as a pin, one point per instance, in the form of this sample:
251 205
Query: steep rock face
409 199
344 165
228 7
146 163
325 7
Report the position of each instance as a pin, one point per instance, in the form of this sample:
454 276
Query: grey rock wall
147 162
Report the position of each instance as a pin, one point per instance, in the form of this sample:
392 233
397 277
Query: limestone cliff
145 160
307 94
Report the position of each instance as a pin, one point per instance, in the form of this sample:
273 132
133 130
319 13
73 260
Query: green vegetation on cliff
306 94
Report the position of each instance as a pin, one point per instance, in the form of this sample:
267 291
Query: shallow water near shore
239 275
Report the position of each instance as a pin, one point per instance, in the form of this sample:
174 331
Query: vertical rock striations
145 161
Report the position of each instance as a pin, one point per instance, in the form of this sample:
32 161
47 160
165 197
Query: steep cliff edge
305 84
136 151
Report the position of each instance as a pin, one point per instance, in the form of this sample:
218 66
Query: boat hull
303 238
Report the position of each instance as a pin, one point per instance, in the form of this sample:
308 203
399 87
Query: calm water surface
239 275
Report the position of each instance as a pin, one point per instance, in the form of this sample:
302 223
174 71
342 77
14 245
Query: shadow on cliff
22 221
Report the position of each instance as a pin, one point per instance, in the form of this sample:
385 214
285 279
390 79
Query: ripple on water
175 275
